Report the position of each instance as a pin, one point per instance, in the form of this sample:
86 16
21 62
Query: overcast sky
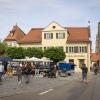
39 13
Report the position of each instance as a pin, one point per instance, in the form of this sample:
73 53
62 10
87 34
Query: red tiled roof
34 36
15 34
95 57
78 34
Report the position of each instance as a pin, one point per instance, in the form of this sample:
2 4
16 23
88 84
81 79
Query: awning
5 59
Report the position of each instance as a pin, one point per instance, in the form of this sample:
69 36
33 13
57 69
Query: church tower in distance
98 39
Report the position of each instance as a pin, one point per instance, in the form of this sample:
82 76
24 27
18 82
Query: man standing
1 71
5 66
84 72
95 69
27 71
37 67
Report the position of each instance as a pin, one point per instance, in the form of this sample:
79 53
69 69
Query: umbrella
5 59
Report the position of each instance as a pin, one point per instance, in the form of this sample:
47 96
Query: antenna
89 28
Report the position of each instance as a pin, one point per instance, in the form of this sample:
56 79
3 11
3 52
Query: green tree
15 52
36 52
55 54
3 47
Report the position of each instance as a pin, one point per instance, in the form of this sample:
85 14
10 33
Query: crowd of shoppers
26 69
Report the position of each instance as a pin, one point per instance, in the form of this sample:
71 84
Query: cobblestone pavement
10 86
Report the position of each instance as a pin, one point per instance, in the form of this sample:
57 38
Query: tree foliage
3 47
55 54
15 52
36 52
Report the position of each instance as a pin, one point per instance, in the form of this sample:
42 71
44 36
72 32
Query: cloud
57 9
61 8
45 8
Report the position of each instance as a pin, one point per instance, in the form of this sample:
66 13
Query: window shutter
56 35
66 49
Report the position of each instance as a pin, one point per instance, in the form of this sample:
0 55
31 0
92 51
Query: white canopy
20 60
34 59
28 59
44 59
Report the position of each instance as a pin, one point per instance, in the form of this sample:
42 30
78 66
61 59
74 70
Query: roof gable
15 34
53 27
75 34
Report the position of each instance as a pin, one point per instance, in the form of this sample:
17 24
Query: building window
56 35
48 35
44 35
72 49
51 35
80 49
76 49
83 49
60 35
69 49
53 27
66 49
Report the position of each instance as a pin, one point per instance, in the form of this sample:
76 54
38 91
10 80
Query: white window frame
60 35
48 35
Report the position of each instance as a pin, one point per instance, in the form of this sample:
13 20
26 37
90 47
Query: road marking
45 92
